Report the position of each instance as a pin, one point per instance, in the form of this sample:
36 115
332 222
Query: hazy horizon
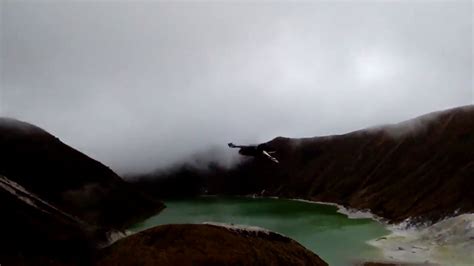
142 85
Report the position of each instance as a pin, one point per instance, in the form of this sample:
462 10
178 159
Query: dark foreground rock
206 245
393 264
421 169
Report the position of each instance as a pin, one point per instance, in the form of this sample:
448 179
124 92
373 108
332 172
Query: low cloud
142 85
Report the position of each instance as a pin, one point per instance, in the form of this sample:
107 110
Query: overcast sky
140 85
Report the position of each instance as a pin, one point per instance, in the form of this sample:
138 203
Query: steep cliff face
68 179
422 168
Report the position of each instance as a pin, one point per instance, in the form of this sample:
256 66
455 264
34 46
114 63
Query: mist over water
142 85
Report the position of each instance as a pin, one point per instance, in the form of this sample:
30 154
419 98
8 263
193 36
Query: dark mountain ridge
421 169
58 205
69 179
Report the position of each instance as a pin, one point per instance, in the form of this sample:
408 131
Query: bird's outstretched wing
270 157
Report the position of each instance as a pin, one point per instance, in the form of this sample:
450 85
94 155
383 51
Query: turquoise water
334 237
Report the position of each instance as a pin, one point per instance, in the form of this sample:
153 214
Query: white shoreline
447 242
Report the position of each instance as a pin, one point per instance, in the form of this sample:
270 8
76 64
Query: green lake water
333 236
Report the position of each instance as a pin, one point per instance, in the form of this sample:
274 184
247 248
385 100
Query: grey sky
139 85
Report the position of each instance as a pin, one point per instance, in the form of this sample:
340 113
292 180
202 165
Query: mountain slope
422 168
419 168
68 179
36 233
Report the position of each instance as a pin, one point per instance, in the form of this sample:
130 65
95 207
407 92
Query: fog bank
141 85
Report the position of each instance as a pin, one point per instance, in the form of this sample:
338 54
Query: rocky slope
206 245
421 169
33 232
68 179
